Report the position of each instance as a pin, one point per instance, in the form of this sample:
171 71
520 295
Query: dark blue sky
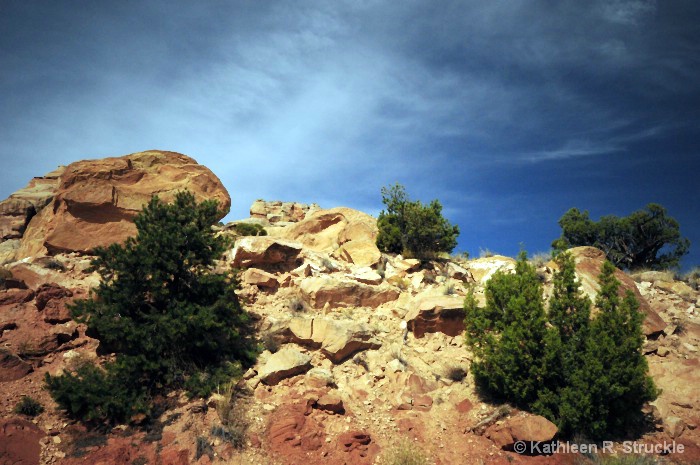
508 112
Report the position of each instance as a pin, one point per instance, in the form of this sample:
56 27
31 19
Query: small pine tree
170 320
586 375
507 335
411 228
615 342
563 397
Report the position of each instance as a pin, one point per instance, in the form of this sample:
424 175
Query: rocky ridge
361 348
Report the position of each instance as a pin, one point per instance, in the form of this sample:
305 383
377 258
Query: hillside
361 350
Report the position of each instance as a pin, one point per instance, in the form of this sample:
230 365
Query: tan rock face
20 207
267 253
281 212
360 252
483 268
326 230
589 262
320 291
338 340
284 364
433 314
96 200
260 278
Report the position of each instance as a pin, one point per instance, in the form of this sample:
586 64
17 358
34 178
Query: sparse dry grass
404 452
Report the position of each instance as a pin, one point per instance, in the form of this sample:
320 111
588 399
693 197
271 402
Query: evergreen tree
586 375
647 238
412 228
563 396
170 320
623 384
507 335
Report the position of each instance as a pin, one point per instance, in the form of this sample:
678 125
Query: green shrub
296 304
172 322
647 238
28 406
586 375
412 228
250 229
234 435
203 447
53 264
456 373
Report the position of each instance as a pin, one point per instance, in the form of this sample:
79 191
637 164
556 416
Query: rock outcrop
322 291
524 427
284 364
266 253
326 230
431 314
281 212
589 262
338 340
93 202
19 208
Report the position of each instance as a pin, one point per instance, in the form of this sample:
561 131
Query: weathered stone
679 288
8 250
662 351
589 262
674 426
16 296
524 427
319 378
482 269
52 299
281 212
12 367
331 403
260 278
430 314
344 292
96 200
267 253
19 442
338 340
284 364
360 252
652 276
366 276
459 273
326 230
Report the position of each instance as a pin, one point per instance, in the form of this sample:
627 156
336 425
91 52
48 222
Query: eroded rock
284 364
431 314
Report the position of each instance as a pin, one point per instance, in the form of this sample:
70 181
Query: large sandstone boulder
589 261
284 364
338 340
96 201
344 292
266 253
431 314
326 230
